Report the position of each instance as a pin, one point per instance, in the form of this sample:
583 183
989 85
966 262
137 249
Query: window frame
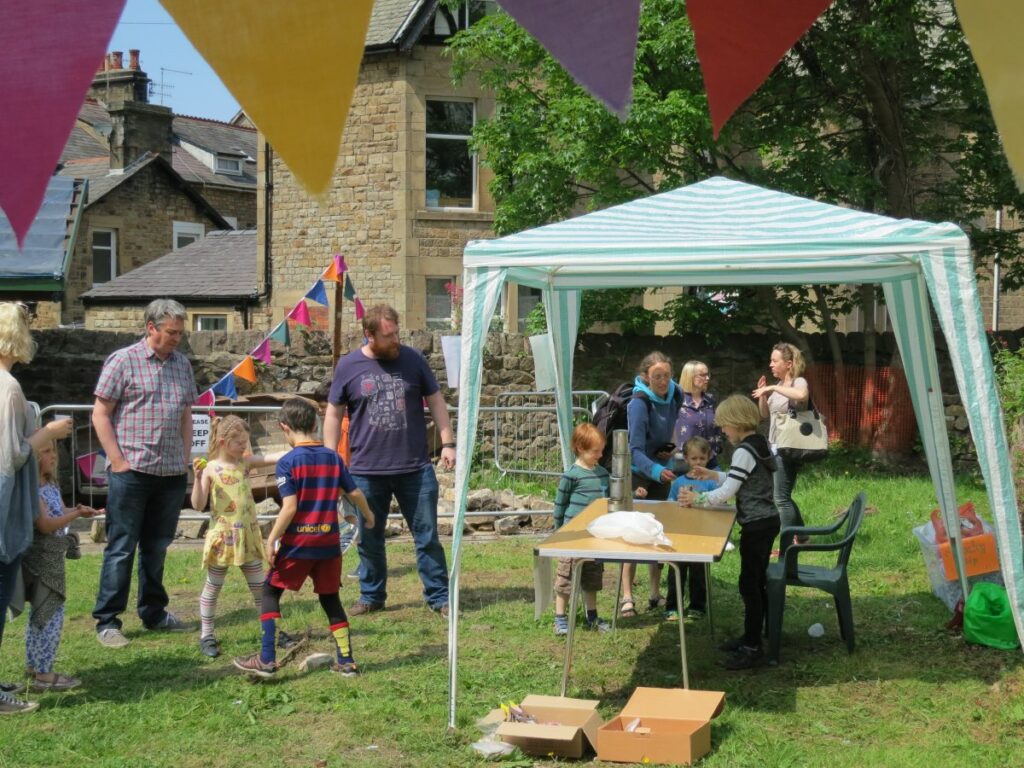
112 252
186 228
237 170
438 323
427 136
198 318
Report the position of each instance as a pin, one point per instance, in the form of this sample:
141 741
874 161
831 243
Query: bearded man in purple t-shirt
383 385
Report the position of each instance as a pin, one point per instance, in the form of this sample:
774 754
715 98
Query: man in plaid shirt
143 420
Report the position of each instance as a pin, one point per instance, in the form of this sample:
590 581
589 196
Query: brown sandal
627 609
55 683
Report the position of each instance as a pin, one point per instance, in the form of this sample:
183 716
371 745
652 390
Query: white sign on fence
200 433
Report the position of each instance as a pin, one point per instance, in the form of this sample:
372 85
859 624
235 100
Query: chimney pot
117 60
133 58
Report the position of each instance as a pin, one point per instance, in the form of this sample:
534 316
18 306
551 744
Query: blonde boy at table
585 481
750 480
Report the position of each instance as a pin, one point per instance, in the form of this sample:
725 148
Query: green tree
879 106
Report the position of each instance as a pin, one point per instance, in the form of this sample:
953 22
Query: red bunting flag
207 398
49 52
300 314
739 42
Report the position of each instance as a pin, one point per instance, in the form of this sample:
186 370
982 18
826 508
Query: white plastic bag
632 527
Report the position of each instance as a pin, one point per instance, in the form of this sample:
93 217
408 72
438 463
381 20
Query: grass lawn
911 694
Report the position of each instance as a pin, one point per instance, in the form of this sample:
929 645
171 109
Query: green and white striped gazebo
724 232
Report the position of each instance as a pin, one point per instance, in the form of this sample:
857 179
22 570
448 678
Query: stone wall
68 362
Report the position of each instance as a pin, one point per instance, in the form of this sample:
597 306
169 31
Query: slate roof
101 181
82 144
222 265
389 18
214 136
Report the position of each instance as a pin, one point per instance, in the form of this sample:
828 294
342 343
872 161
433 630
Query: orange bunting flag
246 370
292 65
331 273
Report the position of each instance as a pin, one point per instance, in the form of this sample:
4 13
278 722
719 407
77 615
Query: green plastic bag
987 617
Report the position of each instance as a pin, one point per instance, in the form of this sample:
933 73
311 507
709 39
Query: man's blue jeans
8 575
142 512
416 493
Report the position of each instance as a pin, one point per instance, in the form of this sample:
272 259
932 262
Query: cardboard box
980 556
674 727
564 727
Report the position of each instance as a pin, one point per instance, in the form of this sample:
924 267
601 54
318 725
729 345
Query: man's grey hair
159 310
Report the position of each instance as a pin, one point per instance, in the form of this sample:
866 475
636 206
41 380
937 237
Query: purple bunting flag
262 352
595 40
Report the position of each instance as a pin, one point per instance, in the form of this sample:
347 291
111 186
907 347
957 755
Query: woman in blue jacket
651 417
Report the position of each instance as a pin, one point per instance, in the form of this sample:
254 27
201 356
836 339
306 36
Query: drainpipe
995 275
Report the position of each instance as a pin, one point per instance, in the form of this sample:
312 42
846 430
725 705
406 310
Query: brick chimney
114 83
137 128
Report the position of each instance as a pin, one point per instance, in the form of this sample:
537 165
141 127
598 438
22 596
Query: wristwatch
447 445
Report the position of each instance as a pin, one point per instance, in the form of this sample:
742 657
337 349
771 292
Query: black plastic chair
787 571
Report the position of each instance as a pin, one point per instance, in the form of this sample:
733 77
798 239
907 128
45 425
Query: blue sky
147 26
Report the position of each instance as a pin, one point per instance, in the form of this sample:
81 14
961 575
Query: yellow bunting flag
292 65
246 370
994 30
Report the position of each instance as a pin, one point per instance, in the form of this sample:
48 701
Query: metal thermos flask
621 481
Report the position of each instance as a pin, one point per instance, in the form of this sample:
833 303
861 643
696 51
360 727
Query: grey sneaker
252 665
112 637
170 623
9 705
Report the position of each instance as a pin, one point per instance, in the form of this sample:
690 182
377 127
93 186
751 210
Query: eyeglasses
702 375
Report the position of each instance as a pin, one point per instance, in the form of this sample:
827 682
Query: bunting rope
336 271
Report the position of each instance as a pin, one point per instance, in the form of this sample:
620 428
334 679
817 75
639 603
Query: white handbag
801 435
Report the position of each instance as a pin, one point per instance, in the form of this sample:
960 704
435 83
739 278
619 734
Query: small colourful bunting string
299 314
226 387
318 293
246 370
262 352
280 334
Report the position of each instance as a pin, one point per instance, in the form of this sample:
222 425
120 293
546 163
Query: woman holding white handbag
789 392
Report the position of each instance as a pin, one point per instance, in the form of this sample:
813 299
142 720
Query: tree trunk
832 402
867 303
766 295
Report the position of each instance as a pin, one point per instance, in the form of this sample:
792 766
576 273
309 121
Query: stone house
407 193
156 181
214 277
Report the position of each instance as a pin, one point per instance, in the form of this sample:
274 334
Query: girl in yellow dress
234 537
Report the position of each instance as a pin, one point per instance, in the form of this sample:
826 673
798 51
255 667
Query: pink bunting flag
49 52
339 264
262 352
300 314
359 309
207 398
595 40
739 42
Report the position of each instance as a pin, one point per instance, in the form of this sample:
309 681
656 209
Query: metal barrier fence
520 432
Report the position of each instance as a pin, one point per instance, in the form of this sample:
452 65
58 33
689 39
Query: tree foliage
879 106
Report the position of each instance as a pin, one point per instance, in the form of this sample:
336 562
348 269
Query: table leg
577 569
711 616
542 585
618 596
681 623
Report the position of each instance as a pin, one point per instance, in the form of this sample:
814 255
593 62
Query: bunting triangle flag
49 53
595 40
246 370
300 313
262 352
302 116
207 398
739 43
331 273
350 290
359 309
280 333
226 387
318 293
339 264
994 36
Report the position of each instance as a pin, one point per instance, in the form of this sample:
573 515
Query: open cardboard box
674 726
564 726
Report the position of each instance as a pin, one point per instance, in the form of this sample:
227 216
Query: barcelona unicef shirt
315 476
